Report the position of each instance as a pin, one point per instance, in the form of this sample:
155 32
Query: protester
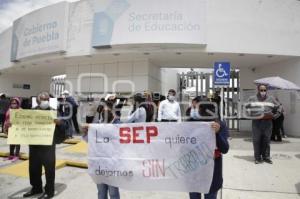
277 123
74 104
26 103
216 97
117 104
107 116
169 109
207 112
4 106
97 117
90 112
138 113
43 156
156 99
151 108
14 150
192 111
262 124
282 125
64 110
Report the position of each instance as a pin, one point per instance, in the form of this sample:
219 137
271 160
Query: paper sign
32 127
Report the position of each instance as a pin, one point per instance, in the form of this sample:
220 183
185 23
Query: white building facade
121 45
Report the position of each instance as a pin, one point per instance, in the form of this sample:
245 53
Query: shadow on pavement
297 156
247 158
282 142
59 188
279 156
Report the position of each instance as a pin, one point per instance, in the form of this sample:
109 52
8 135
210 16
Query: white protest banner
152 156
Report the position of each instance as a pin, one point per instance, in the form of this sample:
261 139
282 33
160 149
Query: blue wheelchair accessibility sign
222 73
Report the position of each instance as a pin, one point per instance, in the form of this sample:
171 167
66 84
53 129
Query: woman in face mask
207 112
193 110
44 104
138 113
14 150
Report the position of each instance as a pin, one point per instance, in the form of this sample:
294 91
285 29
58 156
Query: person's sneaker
258 161
269 161
9 157
15 158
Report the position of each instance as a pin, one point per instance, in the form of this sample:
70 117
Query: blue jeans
104 188
194 195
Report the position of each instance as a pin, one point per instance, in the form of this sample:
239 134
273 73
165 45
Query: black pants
277 125
281 127
261 134
2 120
12 148
42 156
74 119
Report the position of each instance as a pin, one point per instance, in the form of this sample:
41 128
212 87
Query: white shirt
169 110
139 115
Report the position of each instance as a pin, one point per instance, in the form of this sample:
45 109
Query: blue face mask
194 113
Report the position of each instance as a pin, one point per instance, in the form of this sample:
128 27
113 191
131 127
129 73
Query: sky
11 10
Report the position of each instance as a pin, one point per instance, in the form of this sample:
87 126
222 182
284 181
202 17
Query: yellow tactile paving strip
72 141
3 135
21 169
67 141
80 147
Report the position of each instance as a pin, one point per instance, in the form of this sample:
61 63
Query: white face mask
263 94
171 97
44 104
195 113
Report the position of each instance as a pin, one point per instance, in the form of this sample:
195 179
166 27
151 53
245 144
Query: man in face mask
169 109
262 125
207 112
193 110
42 155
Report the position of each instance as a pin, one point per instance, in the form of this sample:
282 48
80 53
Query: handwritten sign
153 156
32 127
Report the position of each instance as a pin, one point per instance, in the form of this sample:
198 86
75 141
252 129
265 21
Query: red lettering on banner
126 138
154 168
135 134
151 132
125 135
